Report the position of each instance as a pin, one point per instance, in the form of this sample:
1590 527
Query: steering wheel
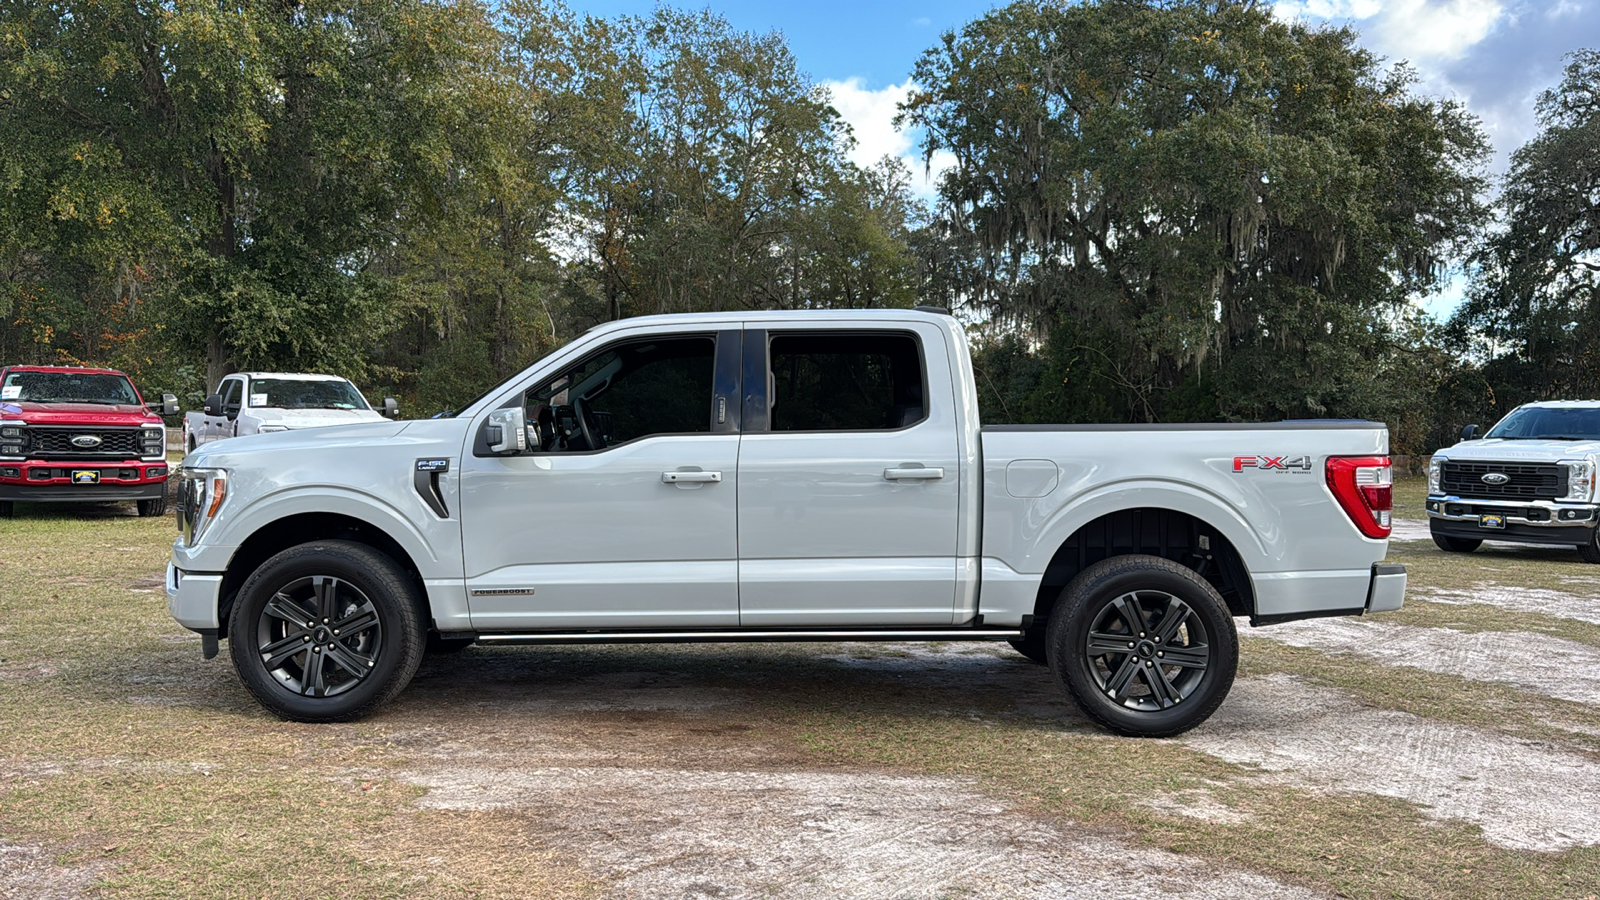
580 411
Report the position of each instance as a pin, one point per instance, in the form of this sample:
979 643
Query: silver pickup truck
783 476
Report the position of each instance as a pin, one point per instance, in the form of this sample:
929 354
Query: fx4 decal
1300 464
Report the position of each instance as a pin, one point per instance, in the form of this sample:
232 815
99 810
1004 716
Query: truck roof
298 376
74 370
1565 404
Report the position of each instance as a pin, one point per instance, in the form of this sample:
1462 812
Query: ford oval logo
1496 478
85 440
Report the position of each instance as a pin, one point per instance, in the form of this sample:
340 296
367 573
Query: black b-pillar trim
756 417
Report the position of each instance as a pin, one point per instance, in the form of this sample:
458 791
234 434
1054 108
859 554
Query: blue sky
1495 56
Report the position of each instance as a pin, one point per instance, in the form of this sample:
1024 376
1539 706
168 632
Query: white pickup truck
264 402
1531 479
783 476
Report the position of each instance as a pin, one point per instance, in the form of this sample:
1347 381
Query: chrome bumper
1544 513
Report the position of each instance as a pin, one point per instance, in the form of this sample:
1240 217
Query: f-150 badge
1299 464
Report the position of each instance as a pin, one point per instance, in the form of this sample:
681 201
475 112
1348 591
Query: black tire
1456 545
438 646
1033 645
1096 648
6 509
1590 552
155 506
192 444
326 676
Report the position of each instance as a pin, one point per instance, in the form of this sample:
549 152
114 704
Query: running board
746 635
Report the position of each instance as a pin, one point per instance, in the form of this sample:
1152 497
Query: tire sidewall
1098 586
393 597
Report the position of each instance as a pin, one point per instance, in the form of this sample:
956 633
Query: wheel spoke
312 682
1101 643
349 660
1128 607
327 590
1123 679
1172 619
279 652
363 618
1197 656
282 607
1162 689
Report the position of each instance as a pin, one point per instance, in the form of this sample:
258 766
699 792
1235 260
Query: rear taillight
1364 488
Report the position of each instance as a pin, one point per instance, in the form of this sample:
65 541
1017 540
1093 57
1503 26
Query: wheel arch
1181 537
304 528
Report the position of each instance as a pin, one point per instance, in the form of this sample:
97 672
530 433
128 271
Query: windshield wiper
1565 437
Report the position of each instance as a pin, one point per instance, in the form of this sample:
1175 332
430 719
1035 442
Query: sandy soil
1522 794
1537 663
1539 600
27 873
675 833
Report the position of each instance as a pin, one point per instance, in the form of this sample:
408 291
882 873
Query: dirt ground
1450 750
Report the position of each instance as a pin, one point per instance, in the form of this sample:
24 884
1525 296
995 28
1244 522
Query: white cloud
1433 29
870 115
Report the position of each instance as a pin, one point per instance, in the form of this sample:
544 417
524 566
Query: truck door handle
691 477
916 473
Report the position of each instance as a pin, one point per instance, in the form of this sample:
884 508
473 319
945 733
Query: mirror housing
169 404
506 431
1469 433
391 408
213 405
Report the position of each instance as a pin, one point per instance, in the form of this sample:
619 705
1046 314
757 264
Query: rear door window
845 382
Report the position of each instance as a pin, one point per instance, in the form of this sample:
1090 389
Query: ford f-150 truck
264 402
1531 479
80 435
783 476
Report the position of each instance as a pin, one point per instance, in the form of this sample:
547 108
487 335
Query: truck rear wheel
326 632
1146 647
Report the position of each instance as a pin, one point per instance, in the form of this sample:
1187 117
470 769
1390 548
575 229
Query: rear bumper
1315 595
51 481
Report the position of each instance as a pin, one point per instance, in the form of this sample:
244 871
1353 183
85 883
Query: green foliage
1177 195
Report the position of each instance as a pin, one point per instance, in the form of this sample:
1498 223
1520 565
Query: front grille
54 442
1528 481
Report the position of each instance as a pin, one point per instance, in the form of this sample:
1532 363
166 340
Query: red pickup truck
80 435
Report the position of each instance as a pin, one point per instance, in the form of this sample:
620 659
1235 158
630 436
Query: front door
622 511
848 479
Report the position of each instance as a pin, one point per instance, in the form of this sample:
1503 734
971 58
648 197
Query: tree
1207 209
1532 315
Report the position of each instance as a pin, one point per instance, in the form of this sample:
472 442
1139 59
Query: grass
129 758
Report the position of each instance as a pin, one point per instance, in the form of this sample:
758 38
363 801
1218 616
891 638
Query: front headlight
1580 480
13 440
153 443
1435 471
201 494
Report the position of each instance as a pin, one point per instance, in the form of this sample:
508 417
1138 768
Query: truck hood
313 418
1522 451
124 414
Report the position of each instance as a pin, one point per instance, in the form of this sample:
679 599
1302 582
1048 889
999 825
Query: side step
702 636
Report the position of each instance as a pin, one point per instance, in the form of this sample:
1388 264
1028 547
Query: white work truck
782 476
1531 479
248 403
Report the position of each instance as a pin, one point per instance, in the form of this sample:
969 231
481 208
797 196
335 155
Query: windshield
1551 423
68 387
299 393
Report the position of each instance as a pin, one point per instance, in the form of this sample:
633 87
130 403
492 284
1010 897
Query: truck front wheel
1454 544
1146 647
1590 551
326 632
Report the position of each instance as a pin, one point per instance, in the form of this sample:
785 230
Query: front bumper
193 598
1529 522
53 481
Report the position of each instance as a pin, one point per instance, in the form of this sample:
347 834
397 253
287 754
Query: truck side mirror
506 431
1469 433
391 408
169 404
213 405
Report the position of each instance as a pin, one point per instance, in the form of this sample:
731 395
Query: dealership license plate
85 476
1491 521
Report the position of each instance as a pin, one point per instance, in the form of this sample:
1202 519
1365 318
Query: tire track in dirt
674 833
1536 663
1523 794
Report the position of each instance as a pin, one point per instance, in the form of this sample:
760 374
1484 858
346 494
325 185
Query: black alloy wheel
326 632
1146 647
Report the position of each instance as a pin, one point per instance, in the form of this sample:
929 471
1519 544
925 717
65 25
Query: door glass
859 382
623 393
230 400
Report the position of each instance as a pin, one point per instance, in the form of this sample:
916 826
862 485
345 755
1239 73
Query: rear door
848 478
